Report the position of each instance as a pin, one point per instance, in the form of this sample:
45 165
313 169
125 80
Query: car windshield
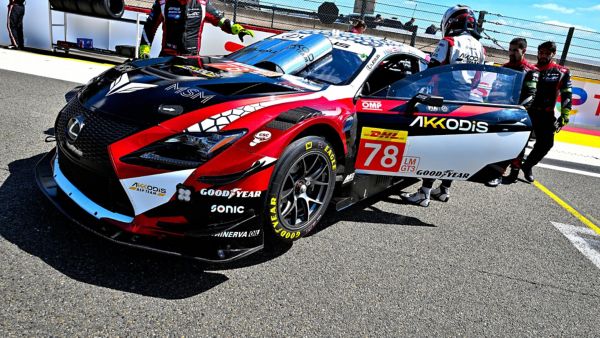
311 57
465 82
337 68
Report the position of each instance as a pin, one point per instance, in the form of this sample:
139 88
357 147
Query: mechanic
183 21
553 79
460 44
517 61
359 27
16 12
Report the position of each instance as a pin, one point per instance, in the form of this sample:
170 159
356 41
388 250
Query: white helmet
458 19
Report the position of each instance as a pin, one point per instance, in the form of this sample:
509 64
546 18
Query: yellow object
567 207
578 138
144 52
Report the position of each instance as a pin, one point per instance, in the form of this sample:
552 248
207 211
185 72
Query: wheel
301 188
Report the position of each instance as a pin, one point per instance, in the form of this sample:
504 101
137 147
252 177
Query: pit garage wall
106 34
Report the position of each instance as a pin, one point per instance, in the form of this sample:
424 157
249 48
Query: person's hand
240 31
563 120
144 52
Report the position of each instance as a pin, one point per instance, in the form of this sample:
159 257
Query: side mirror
429 100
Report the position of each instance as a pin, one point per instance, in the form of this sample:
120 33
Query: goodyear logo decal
379 134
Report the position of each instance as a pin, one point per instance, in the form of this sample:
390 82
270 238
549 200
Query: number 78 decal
380 150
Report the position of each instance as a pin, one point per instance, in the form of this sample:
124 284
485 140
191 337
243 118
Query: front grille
86 161
100 130
104 189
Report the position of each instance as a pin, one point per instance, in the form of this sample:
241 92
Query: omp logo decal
378 134
450 124
123 86
371 105
148 189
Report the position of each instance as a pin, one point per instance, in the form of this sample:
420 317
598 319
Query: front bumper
227 245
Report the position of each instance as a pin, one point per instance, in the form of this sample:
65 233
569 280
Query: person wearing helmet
459 44
183 21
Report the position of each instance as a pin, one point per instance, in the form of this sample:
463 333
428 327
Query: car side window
464 82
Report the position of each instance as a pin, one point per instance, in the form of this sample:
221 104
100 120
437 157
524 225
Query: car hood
151 91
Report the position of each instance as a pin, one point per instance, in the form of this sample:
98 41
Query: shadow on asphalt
365 212
31 222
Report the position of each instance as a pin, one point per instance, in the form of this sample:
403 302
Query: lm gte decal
381 150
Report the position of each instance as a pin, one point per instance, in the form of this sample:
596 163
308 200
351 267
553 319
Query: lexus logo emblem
74 127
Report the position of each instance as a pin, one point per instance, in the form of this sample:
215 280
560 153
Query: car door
459 122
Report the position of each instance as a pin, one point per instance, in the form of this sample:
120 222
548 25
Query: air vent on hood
246 88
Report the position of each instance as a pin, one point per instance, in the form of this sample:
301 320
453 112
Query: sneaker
512 177
441 193
11 47
528 173
419 198
494 183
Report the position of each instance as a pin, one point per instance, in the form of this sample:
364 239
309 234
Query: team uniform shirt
459 49
182 21
553 79
530 81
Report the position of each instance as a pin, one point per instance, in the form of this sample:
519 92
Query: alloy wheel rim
303 191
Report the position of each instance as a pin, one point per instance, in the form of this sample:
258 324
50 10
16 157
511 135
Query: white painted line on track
573 171
584 239
50 66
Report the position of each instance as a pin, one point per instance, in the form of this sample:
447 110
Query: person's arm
216 18
154 20
566 95
440 55
529 88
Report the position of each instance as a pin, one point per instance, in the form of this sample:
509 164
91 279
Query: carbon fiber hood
151 91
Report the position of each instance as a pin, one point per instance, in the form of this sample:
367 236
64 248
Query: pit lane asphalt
489 262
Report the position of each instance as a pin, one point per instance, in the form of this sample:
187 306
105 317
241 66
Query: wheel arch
331 135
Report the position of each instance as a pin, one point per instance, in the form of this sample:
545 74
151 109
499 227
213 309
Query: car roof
359 41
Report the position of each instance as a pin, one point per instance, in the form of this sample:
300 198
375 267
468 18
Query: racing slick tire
301 188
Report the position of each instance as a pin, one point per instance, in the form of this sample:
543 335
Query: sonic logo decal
445 123
227 209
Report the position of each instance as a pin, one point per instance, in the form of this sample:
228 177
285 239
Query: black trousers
428 183
15 25
544 139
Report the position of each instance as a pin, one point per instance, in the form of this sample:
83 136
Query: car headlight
184 151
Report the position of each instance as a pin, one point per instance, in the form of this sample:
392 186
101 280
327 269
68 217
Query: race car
211 158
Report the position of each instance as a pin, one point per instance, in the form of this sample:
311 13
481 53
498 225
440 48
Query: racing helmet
458 19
